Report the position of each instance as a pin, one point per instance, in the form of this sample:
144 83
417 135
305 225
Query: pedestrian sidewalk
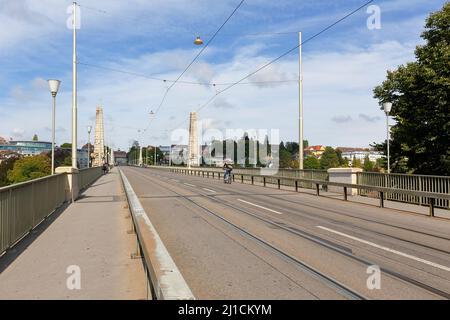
88 238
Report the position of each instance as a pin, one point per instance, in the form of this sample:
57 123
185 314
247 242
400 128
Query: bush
30 168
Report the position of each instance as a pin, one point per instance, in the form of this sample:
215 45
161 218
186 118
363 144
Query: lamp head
387 106
198 41
89 129
54 86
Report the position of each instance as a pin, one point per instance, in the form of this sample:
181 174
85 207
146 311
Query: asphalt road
241 241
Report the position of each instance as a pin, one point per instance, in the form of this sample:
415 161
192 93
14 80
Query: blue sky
341 67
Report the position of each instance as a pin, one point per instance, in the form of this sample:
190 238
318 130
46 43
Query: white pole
300 103
74 89
53 133
89 148
388 138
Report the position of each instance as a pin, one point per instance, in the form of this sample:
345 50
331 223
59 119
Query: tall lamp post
89 145
74 88
300 103
152 116
387 106
54 86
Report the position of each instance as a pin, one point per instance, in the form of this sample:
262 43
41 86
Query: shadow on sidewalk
14 252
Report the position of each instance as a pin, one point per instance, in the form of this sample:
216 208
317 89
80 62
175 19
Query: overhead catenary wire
208 102
211 84
92 9
192 62
198 55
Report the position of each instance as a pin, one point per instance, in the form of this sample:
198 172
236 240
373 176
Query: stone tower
193 141
99 140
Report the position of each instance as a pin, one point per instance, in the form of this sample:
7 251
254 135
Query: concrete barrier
166 280
343 175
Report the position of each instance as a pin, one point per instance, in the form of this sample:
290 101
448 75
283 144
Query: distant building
360 154
166 154
82 157
120 158
315 151
27 148
3 141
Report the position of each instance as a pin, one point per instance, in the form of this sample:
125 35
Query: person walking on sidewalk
105 168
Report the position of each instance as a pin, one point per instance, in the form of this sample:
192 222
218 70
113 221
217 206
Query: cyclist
228 168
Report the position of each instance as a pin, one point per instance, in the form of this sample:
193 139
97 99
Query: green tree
285 158
420 93
66 145
311 162
35 137
29 168
345 162
356 163
342 161
368 165
329 159
5 166
67 161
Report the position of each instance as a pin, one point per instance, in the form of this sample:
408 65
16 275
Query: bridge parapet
23 206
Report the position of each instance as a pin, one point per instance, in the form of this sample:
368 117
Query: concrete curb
166 280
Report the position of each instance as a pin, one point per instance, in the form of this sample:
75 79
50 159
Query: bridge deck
213 232
91 234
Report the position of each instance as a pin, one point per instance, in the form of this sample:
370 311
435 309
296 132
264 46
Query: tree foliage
311 162
420 93
29 168
5 166
329 159
66 145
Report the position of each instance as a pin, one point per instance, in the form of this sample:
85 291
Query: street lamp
54 87
198 41
152 115
140 151
387 106
300 103
89 145
74 89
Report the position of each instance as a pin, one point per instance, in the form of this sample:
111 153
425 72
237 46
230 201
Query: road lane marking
387 249
209 190
190 185
258 206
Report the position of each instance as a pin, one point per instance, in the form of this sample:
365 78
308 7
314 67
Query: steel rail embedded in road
344 251
329 281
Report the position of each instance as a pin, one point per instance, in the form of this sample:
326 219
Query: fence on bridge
275 173
432 191
413 182
23 206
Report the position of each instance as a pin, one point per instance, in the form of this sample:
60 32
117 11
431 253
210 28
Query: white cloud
338 79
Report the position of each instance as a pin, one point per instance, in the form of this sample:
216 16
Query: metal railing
271 174
87 176
425 183
431 197
23 206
